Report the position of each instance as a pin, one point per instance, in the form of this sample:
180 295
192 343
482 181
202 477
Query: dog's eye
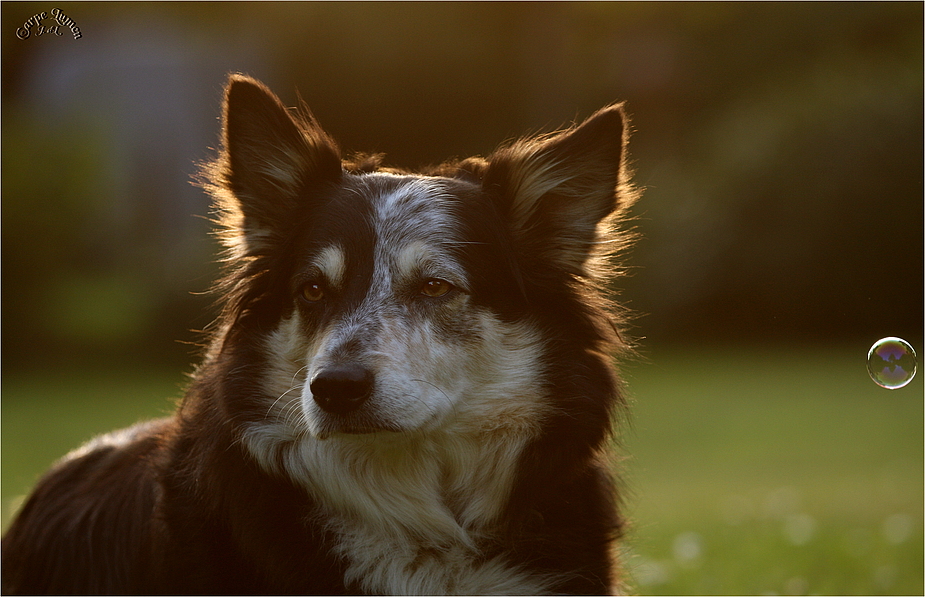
435 287
312 291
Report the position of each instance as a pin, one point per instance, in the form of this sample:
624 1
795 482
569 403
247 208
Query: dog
409 388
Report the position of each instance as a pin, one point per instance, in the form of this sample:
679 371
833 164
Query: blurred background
781 149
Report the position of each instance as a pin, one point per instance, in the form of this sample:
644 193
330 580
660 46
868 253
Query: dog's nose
341 389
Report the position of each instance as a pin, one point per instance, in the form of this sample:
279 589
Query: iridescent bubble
891 363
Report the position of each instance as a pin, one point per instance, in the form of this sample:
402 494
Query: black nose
340 389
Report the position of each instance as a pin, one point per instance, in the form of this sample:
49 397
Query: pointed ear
269 160
560 192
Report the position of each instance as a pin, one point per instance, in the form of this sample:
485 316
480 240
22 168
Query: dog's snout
341 389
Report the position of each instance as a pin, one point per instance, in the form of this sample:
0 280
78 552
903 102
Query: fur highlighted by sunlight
408 390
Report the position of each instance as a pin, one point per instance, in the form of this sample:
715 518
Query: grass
749 471
772 472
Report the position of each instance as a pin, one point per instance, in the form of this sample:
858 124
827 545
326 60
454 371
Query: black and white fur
409 389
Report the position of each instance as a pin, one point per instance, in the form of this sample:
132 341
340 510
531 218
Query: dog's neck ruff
411 511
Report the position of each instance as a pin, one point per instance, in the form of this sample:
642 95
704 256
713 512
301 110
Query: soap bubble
891 363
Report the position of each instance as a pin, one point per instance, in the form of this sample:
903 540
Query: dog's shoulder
87 526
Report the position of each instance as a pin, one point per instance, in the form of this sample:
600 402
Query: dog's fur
409 388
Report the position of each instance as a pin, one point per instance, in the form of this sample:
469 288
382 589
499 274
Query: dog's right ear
269 160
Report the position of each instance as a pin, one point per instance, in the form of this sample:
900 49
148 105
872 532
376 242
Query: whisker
436 387
452 404
283 395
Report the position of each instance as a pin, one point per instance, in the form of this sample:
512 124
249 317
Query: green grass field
748 471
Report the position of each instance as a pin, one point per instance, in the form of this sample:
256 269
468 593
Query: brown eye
312 291
435 287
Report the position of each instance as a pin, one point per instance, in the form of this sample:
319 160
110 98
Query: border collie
409 388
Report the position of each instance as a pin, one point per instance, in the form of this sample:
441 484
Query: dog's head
380 301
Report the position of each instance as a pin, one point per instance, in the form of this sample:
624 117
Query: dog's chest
419 521
404 565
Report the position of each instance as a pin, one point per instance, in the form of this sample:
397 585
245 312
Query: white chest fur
410 513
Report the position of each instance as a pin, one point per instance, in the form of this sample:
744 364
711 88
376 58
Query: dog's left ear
558 192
